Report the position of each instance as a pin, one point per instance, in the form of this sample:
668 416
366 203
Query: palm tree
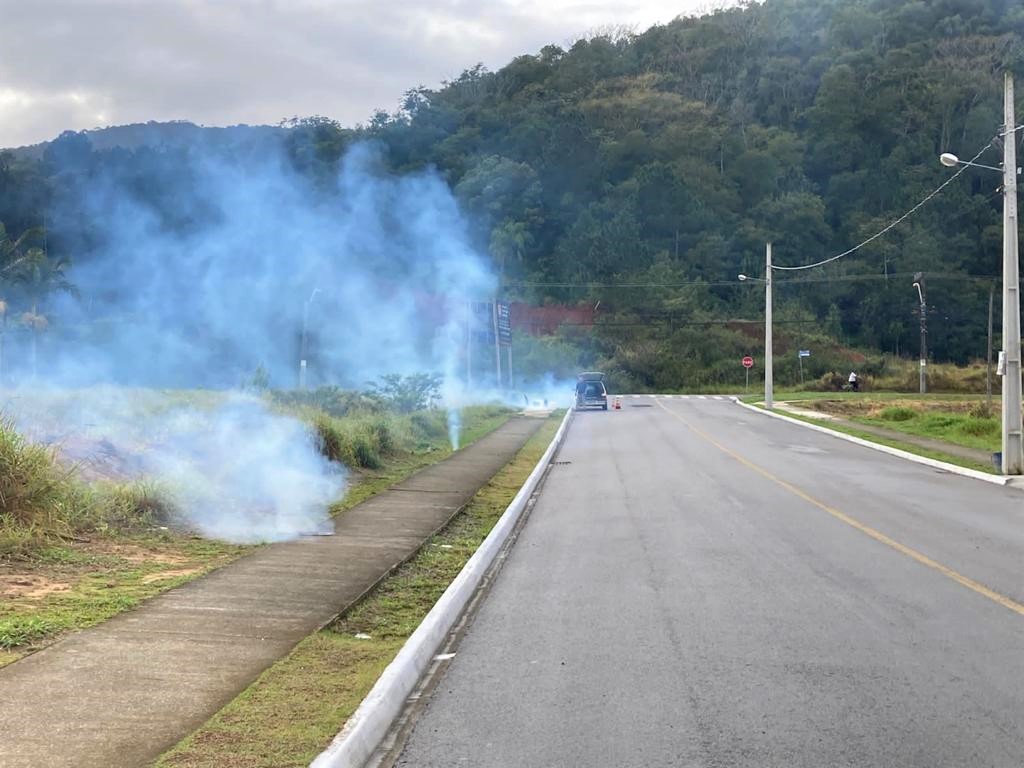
39 275
12 258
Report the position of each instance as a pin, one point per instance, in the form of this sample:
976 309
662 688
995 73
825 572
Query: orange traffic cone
618 403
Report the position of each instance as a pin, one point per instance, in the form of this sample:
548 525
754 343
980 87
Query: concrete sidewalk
121 693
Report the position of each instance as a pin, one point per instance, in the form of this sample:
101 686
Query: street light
302 339
950 160
1013 440
769 389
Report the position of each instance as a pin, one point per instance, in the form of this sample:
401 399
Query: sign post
504 329
748 363
800 355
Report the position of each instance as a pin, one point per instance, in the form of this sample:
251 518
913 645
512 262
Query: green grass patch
74 554
897 413
793 396
295 708
903 446
67 587
983 434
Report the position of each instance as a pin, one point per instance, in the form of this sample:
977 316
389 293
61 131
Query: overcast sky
75 64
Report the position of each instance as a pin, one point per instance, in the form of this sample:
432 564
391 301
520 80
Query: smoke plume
194 270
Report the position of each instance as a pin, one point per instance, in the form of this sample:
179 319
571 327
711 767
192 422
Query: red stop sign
748 362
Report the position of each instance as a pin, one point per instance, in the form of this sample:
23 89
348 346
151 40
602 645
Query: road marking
913 554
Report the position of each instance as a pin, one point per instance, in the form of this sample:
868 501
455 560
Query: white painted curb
369 724
934 463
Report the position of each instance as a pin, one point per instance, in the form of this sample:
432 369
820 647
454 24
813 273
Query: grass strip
68 587
65 587
908 447
294 709
797 395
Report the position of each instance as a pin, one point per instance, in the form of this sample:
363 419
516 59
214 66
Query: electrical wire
891 225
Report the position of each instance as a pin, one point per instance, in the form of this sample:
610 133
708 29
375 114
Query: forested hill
673 155
669 157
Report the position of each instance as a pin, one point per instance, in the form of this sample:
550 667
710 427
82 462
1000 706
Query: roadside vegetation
959 429
297 706
76 550
904 444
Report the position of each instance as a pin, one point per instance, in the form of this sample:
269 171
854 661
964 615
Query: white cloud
75 64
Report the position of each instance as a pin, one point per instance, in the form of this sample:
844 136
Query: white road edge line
369 724
955 469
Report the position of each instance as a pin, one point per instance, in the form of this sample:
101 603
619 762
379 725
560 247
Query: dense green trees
679 151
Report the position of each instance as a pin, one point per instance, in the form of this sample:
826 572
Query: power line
893 224
681 284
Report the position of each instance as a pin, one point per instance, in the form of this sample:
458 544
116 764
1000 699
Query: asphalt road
704 586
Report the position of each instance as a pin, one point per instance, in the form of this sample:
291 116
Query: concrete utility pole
302 339
919 284
768 383
1013 449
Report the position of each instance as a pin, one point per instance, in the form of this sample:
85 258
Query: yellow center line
913 554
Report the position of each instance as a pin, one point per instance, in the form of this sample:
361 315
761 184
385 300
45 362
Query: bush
898 413
980 410
332 441
352 442
429 425
134 504
34 489
331 400
406 394
383 436
364 452
980 427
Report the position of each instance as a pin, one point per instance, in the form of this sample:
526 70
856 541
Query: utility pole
302 339
1013 450
919 284
768 384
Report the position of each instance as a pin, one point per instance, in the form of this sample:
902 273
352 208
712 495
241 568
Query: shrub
332 441
134 504
940 421
406 394
34 489
983 427
980 410
429 425
363 450
898 413
383 436
331 400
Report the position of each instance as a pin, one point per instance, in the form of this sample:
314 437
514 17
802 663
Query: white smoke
195 270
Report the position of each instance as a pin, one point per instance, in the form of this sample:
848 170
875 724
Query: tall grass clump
42 500
354 441
37 497
897 413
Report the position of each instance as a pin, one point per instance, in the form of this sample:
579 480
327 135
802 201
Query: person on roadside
854 381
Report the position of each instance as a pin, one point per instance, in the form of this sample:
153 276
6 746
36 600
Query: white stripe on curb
934 463
369 724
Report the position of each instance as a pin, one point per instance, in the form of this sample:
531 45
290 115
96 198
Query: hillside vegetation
646 170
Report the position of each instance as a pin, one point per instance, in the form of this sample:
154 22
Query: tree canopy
668 158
